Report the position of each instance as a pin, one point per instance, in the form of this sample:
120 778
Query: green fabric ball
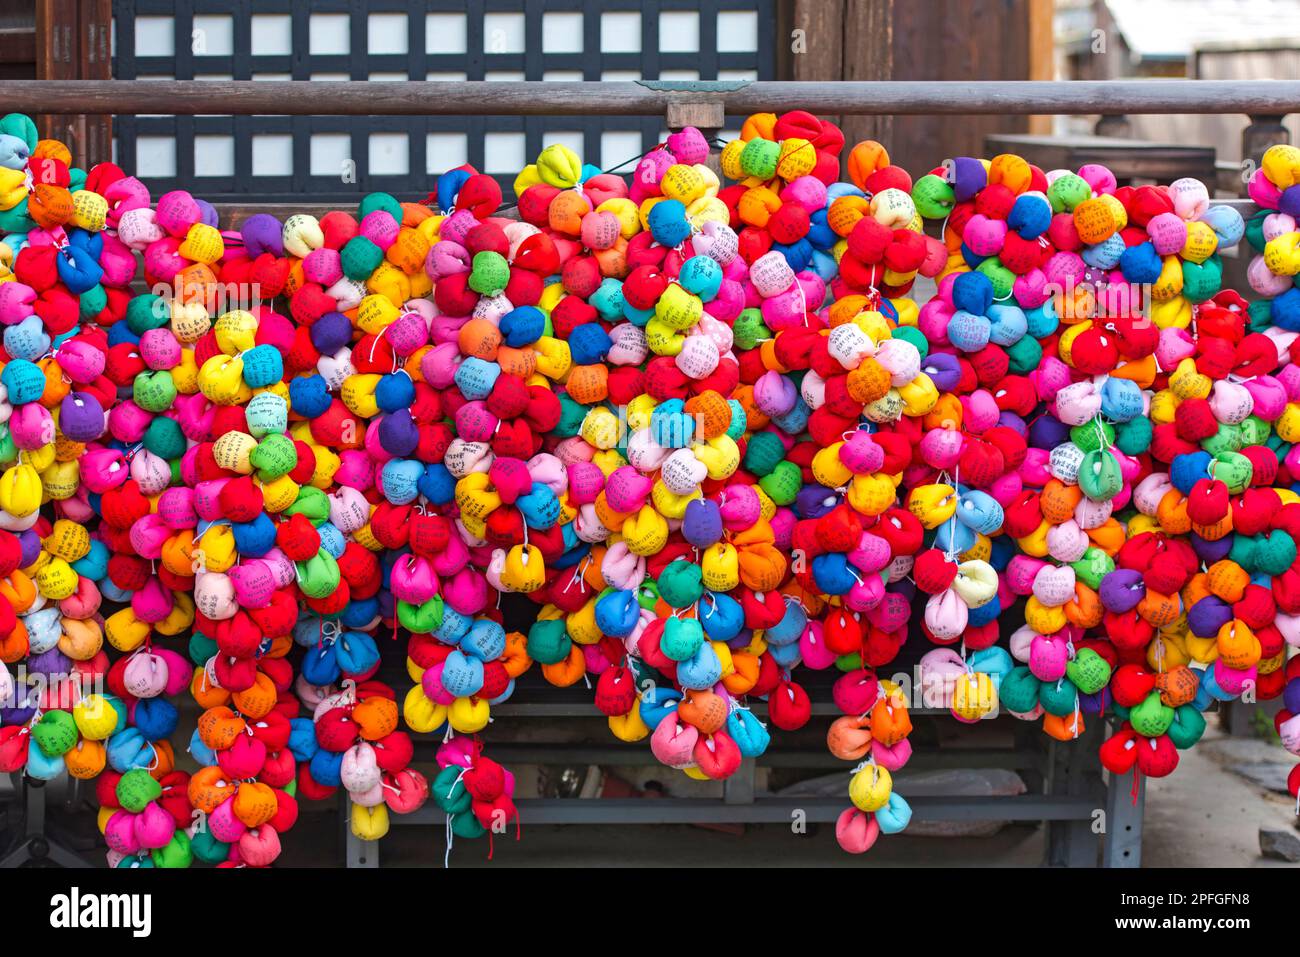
1024 355
1255 236
1187 727
1134 437
93 301
1260 313
739 421
359 258
16 220
1254 431
137 788
201 648
749 329
311 502
319 575
423 618
55 733
490 273
1243 551
680 584
449 791
1018 691
22 126
763 453
1093 567
164 438
1226 438
933 196
1057 697
1234 470
207 848
647 596
1067 192
1087 437
175 853
467 827
145 312
783 483
154 390
385 201
1275 552
849 662
1088 671
1202 281
759 158
274 456
1099 476
572 415
548 642
1003 279
681 639
1152 717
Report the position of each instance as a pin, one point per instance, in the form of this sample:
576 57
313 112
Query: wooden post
95 62
56 59
72 43
707 117
1042 54
1263 131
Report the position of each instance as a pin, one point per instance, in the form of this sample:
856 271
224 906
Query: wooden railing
541 98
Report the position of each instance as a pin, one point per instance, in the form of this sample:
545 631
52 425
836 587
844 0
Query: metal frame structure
1090 816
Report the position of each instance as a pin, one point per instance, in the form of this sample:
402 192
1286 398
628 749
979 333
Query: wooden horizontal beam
543 98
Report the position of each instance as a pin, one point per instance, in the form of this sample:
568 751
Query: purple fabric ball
742 639
1290 202
52 662
207 213
1211 552
1047 432
263 233
398 433
1291 695
81 417
31 547
702 523
1208 615
943 369
20 715
331 332
1090 703
1121 590
811 502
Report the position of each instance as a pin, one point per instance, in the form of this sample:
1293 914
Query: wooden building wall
930 40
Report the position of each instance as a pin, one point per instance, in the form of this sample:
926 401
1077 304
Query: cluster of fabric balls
1140 484
692 423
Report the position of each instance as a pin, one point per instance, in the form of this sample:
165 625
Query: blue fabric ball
589 344
1140 263
308 395
973 293
522 326
668 223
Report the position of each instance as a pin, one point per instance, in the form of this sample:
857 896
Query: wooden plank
1042 54
995 98
869 55
95 22
56 60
